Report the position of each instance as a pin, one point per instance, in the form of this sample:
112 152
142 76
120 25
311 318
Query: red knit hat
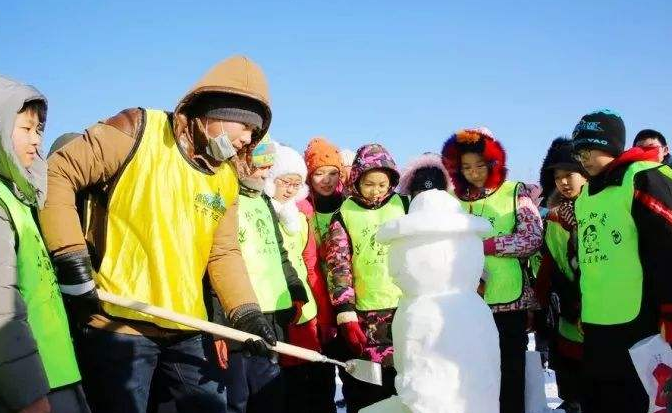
320 152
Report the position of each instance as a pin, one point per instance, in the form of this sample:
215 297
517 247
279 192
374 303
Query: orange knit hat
320 152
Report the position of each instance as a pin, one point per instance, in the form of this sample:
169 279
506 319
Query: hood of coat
367 158
474 140
29 184
237 75
427 160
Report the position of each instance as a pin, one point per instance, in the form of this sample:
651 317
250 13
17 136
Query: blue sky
400 73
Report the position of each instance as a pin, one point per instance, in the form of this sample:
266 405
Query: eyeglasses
287 184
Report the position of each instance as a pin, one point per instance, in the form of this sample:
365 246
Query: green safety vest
557 239
295 245
505 274
374 288
611 272
261 252
322 221
37 284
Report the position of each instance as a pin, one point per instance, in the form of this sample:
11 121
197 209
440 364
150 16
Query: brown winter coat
91 164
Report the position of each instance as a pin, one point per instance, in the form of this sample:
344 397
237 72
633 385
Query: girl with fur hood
557 286
306 384
476 163
362 291
422 174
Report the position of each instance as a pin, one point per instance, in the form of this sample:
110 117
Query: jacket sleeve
527 238
296 289
226 268
652 213
339 264
22 376
317 282
542 285
92 159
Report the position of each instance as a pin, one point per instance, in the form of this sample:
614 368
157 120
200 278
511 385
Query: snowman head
437 247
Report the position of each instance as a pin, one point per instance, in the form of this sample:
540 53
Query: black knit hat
559 156
229 107
430 177
603 130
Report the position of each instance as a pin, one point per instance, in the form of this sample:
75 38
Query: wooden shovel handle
208 327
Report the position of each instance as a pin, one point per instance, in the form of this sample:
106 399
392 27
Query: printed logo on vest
212 205
590 238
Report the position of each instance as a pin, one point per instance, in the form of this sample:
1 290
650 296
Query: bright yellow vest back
295 244
162 216
505 274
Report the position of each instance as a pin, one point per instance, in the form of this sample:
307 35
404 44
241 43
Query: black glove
73 271
252 320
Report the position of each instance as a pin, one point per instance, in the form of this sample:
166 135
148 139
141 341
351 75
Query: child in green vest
309 386
624 224
254 381
557 284
476 163
38 370
362 291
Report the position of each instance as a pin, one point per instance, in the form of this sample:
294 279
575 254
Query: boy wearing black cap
624 223
557 286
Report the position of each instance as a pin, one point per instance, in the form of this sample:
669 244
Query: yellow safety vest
162 217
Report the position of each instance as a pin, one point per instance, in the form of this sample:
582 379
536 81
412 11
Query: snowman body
446 344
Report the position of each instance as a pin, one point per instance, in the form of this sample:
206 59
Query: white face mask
219 147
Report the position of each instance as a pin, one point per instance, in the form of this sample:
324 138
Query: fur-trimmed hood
367 158
426 160
474 140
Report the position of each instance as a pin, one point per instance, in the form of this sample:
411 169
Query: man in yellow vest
163 190
624 225
38 369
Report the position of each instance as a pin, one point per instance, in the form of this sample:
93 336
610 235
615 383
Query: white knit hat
287 161
347 156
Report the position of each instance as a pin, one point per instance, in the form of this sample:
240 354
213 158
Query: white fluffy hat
287 161
347 156
433 212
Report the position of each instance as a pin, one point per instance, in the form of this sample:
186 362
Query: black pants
359 394
254 385
310 388
512 346
568 375
603 395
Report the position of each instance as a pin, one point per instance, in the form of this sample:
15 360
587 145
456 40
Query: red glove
326 332
354 337
298 311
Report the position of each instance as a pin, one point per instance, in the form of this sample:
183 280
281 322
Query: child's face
569 183
324 180
594 160
286 187
374 185
474 169
27 137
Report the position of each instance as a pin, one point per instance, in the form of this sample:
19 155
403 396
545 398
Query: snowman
446 346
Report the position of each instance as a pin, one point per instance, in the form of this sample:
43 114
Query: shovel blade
364 370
